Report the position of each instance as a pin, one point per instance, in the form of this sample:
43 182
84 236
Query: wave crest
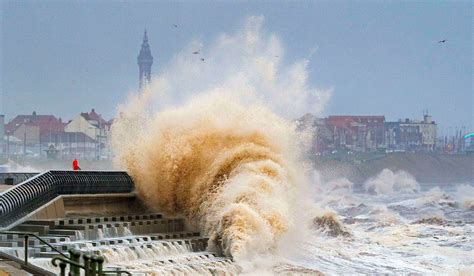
231 168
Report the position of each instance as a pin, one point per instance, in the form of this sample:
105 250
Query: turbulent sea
216 142
429 231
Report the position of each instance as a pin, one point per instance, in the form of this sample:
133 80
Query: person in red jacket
75 165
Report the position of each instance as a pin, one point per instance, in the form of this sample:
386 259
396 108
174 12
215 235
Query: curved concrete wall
28 196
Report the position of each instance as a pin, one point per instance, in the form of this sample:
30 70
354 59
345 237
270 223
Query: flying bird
196 53
442 41
176 26
202 59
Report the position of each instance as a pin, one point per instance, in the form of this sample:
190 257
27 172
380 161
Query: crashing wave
231 168
389 182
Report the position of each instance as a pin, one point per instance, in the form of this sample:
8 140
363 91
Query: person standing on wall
75 165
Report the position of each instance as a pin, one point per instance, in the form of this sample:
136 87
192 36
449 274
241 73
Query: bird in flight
442 41
202 59
196 53
176 26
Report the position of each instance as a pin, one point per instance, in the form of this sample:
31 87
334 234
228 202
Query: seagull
442 41
196 53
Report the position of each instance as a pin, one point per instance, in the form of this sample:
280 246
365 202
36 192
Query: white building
95 127
428 129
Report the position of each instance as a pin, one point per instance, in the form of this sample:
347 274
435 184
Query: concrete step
118 229
50 254
24 227
163 237
71 234
10 235
196 244
95 234
105 219
49 223
19 243
193 244
32 241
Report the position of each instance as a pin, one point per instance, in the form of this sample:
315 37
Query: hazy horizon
378 58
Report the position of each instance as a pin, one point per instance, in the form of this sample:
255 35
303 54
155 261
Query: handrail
64 258
21 199
92 265
26 236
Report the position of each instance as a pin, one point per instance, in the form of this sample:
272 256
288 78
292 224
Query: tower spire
145 37
144 60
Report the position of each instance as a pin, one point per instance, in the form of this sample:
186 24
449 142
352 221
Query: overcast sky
381 58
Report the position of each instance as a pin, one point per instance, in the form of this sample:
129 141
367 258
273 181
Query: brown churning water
228 167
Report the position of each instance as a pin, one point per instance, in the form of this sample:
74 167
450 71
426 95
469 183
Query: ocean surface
426 230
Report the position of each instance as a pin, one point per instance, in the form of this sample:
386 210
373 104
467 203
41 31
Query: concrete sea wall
426 168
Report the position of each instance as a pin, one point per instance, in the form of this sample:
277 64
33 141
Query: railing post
94 265
26 249
87 259
62 266
75 257
100 263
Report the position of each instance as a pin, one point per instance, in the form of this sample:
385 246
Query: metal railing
22 199
92 264
26 237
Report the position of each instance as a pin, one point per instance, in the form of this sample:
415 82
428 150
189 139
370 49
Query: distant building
429 132
28 129
411 135
94 126
144 60
45 123
90 123
357 133
70 145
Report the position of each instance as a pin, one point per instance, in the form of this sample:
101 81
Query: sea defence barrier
426 168
31 194
95 213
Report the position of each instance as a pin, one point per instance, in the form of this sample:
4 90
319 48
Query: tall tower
144 60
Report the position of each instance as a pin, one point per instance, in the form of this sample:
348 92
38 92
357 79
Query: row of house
38 136
370 133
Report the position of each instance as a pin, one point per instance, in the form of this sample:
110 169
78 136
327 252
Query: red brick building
24 133
44 123
358 133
